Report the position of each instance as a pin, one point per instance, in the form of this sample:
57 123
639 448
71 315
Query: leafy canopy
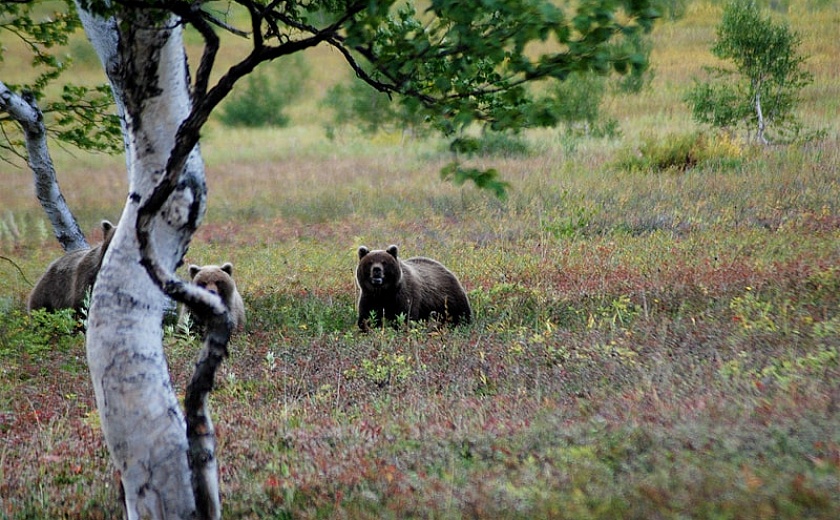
467 62
452 63
78 115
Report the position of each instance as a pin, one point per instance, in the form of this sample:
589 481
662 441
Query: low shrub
682 152
264 97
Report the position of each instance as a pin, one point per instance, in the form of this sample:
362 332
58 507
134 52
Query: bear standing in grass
67 280
219 280
418 288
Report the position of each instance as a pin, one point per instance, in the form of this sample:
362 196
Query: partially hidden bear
219 280
418 288
68 279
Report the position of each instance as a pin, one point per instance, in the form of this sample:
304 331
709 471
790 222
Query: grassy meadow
647 343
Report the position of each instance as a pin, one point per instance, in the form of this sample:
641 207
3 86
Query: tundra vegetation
655 331
457 65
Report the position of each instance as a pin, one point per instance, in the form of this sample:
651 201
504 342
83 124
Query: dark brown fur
67 279
418 288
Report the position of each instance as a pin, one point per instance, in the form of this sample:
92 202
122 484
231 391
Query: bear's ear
228 268
392 250
194 269
363 251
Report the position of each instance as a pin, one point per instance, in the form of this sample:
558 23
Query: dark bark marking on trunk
138 73
199 190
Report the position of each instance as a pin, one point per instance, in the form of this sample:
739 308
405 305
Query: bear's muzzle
377 275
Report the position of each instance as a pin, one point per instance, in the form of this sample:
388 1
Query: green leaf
485 179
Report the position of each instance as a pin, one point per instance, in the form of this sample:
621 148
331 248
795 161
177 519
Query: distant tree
266 95
763 90
461 63
355 104
577 102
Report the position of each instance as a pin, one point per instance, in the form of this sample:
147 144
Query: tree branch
256 17
25 279
201 435
197 18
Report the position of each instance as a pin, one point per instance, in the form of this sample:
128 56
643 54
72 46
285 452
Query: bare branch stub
201 436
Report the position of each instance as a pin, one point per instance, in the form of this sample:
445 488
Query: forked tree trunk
141 418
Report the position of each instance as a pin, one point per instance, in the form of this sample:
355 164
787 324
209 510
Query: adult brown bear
417 288
67 279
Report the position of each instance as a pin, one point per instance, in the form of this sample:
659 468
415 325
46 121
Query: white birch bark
141 418
759 135
25 111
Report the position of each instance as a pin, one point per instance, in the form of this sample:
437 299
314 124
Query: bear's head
214 278
378 270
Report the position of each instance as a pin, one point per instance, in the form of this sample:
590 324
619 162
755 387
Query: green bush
266 94
357 104
36 333
681 152
576 102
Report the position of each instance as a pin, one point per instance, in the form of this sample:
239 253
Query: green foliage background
265 96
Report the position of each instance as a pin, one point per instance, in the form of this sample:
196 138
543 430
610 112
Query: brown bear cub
418 288
219 280
67 280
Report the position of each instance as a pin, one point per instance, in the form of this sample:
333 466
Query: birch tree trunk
759 134
141 418
25 111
